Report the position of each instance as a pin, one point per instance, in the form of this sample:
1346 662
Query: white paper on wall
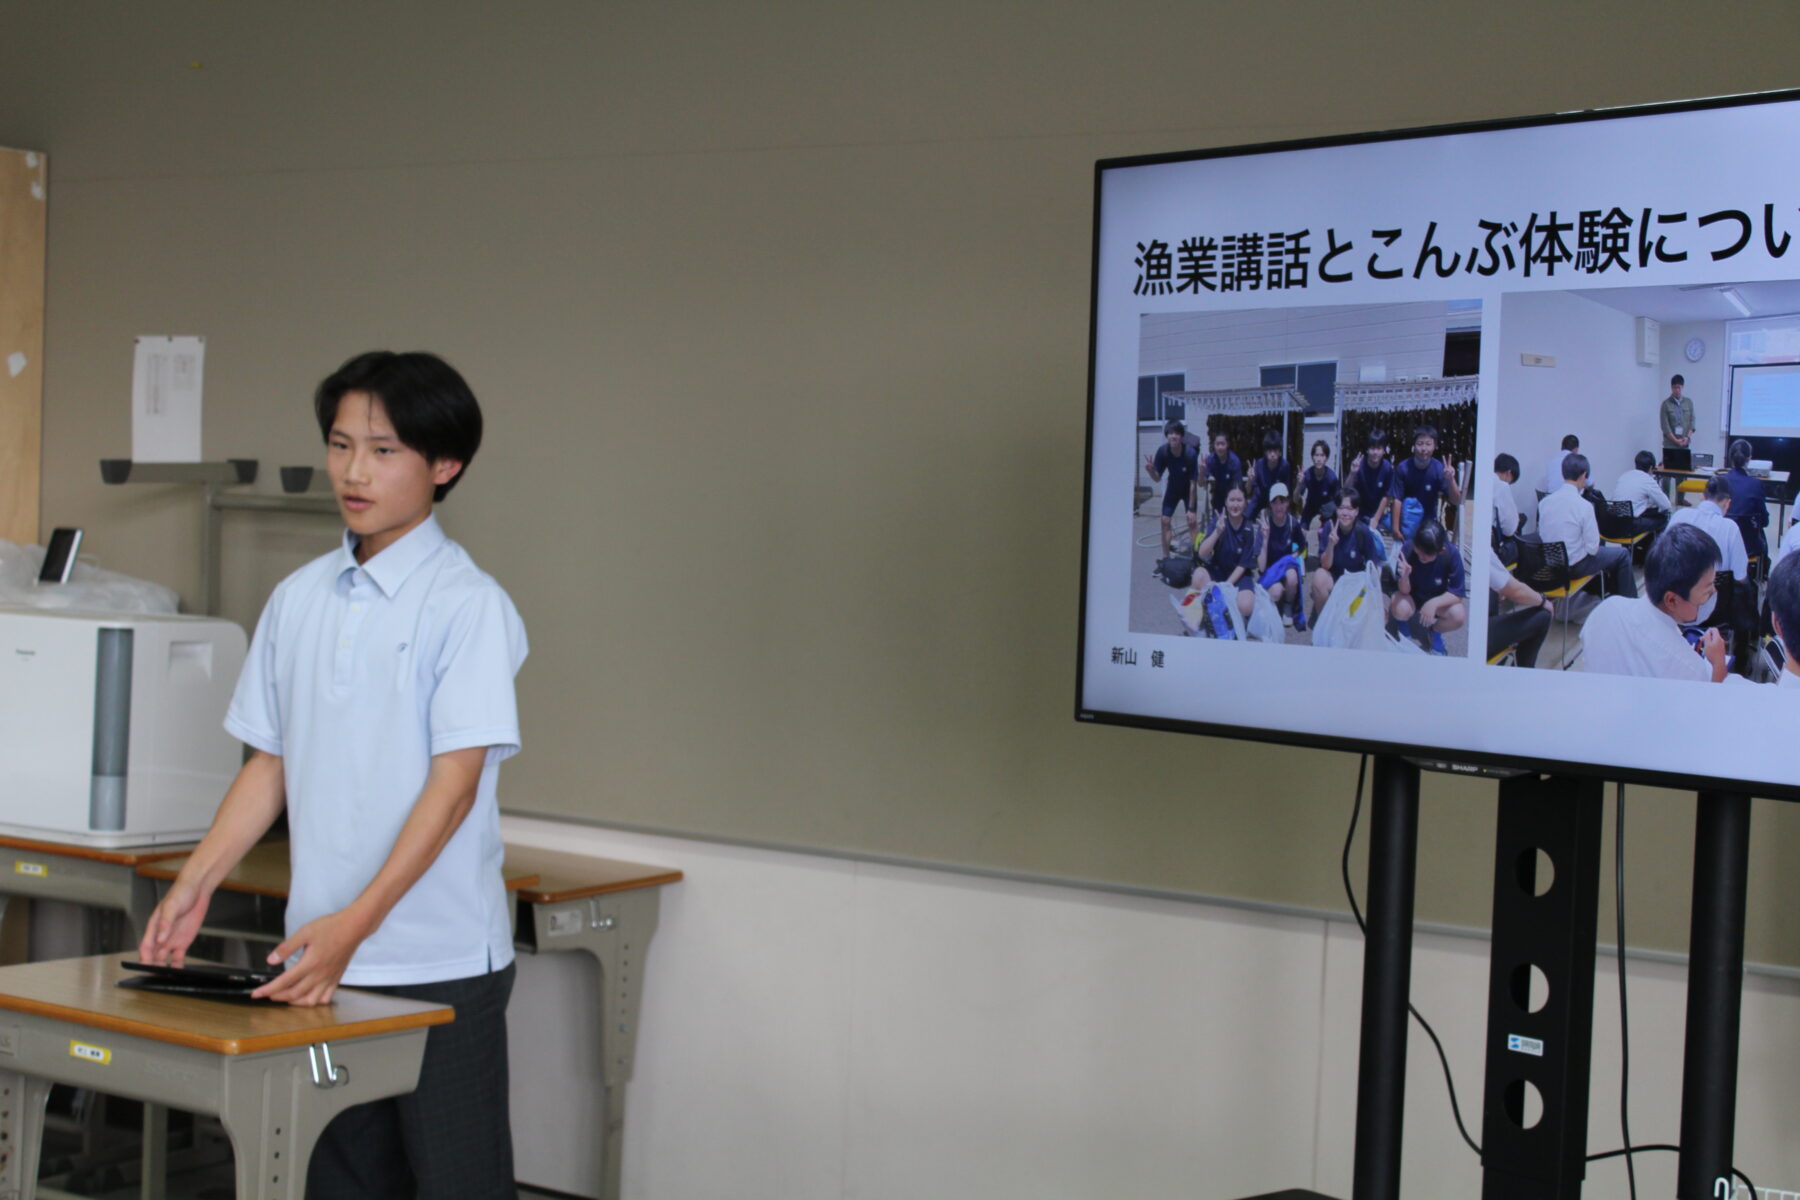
166 376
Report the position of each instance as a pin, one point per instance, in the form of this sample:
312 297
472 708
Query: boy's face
1320 457
1424 446
1687 608
1271 456
1221 445
1377 453
383 487
1174 440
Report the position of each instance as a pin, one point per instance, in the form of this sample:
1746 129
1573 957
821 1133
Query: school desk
37 869
273 1075
1777 490
566 902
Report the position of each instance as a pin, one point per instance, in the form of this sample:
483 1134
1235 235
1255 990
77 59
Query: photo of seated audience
1579 401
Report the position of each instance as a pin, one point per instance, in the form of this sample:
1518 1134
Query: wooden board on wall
22 202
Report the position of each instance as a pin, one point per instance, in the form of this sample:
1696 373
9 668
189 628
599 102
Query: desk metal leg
274 1111
22 1100
153 1174
615 929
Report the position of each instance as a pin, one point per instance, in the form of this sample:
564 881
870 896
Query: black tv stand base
1553 928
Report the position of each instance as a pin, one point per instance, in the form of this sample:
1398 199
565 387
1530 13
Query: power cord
1659 1146
1355 911
1630 1151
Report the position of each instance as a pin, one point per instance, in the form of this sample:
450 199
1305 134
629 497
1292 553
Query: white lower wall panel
820 1029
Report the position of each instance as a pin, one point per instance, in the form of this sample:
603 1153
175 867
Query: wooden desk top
85 991
264 871
125 856
565 876
539 876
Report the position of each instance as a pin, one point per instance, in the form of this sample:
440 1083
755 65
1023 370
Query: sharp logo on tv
1396 443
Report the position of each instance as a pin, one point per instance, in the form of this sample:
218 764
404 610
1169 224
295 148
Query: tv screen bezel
1355 745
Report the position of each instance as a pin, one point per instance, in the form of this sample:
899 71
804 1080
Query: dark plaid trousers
451 1138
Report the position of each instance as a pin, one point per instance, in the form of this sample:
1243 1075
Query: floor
215 1183
210 1182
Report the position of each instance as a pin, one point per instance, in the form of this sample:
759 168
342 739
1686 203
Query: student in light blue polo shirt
378 700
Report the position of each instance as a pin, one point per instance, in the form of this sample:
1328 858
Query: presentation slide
1765 401
1307 360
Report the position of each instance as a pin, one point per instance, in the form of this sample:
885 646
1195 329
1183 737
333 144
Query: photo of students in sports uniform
1312 494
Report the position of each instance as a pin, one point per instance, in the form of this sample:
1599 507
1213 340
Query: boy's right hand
174 925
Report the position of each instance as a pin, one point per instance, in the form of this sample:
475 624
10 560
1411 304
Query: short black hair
1271 440
1320 445
1429 431
1645 461
1717 488
1504 462
427 401
1173 427
1574 466
1377 437
1676 379
1571 442
1428 538
1349 496
1738 453
1679 556
1784 598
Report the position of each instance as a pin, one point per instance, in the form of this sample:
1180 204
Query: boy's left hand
328 942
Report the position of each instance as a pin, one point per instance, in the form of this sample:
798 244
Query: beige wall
779 316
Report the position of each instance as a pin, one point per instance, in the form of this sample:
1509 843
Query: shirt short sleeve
473 703
254 717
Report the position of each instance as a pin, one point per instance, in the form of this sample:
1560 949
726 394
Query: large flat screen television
1401 309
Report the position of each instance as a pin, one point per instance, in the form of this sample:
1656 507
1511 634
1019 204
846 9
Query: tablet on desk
198 979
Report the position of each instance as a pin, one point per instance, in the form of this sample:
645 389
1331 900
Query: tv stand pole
1387 978
1715 993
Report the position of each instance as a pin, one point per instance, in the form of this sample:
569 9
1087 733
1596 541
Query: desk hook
597 919
331 1076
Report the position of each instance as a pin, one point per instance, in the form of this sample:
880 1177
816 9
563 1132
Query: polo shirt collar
1663 619
391 568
